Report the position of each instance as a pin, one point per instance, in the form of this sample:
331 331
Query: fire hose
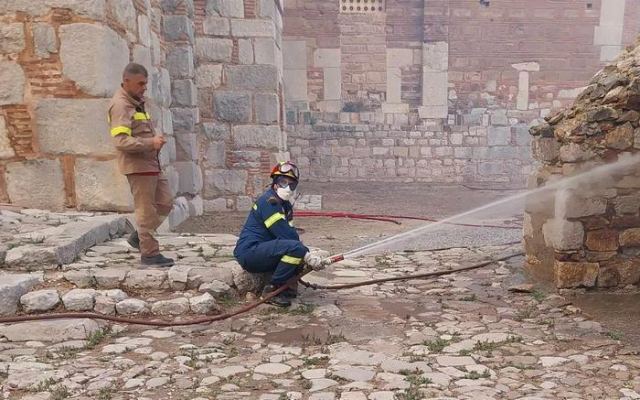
249 307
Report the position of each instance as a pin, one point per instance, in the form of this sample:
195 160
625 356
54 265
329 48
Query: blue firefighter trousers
280 256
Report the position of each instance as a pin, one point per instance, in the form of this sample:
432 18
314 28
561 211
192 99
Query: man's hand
314 261
158 142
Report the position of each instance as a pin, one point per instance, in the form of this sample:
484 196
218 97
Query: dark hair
135 69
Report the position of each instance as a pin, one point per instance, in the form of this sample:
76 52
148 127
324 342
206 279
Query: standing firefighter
138 149
269 242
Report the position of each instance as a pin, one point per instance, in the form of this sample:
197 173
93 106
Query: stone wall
584 231
453 64
239 80
215 91
394 147
62 61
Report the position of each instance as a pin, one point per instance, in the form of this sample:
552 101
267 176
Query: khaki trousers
153 201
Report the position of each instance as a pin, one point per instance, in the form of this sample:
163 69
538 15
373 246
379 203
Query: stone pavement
463 336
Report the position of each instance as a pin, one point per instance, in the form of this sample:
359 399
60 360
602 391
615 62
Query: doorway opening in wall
362 6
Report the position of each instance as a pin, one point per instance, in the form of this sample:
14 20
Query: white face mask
285 194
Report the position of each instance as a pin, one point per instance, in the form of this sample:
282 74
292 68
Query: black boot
156 261
292 291
134 240
280 300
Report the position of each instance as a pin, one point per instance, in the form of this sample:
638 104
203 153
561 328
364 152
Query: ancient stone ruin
586 233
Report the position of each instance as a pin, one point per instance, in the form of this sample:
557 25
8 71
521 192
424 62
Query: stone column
523 82
396 59
239 75
329 60
608 34
185 172
435 61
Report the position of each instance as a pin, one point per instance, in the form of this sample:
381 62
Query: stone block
327 58
435 56
215 155
50 331
570 204
84 62
216 131
575 274
142 56
628 271
12 83
177 306
253 77
245 51
100 187
602 240
180 62
224 182
157 54
13 287
44 39
225 8
73 126
295 54
257 136
563 235
187 147
203 304
216 205
630 238
40 300
232 106
545 149
95 9
267 108
12 35
125 13
132 307
209 76
178 6
265 51
190 177
625 204
527 66
79 299
620 138
46 175
185 93
178 28
434 88
332 84
252 28
146 279
499 136
216 26
213 50
295 86
433 111
184 119
6 150
144 30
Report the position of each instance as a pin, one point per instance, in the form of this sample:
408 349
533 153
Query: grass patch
523 314
476 375
105 394
436 346
227 300
615 335
97 337
416 380
538 295
60 392
472 297
316 362
337 338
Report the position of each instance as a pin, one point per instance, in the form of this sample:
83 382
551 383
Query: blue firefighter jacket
269 219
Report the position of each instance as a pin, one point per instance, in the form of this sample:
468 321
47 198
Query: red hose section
388 218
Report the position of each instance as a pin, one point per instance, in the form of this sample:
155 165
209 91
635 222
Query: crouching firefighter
268 241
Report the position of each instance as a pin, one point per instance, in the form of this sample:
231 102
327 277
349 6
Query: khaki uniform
132 134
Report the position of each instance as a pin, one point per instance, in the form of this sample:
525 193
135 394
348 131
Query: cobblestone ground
462 336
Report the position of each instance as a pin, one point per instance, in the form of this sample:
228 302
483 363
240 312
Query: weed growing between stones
416 380
476 375
538 295
60 392
436 346
615 335
105 394
97 337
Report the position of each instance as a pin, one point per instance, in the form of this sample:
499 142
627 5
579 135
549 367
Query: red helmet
285 168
